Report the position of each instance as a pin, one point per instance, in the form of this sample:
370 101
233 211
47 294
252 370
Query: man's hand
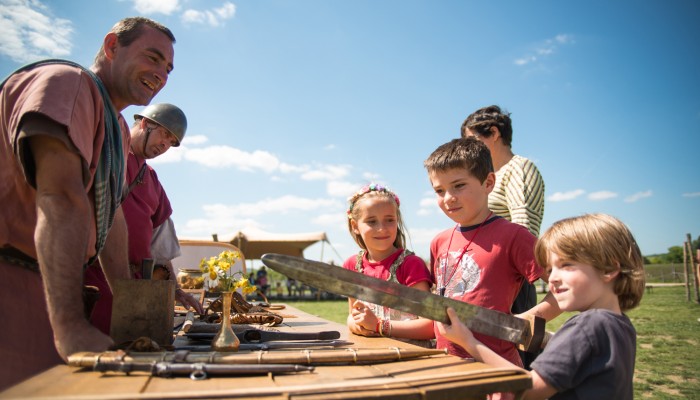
80 337
188 301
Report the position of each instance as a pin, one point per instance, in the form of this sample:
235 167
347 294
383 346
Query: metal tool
198 371
305 344
147 265
530 335
260 336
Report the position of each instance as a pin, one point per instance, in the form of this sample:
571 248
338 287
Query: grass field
668 343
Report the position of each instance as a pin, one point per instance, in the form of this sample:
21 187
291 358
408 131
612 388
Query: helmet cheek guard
168 116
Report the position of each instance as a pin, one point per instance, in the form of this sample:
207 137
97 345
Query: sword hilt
537 338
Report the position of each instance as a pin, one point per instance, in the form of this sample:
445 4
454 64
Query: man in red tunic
63 145
146 208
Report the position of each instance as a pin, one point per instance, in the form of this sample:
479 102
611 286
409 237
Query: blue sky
293 105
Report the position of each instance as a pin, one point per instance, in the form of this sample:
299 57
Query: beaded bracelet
385 328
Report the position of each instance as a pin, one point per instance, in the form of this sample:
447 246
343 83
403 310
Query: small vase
226 339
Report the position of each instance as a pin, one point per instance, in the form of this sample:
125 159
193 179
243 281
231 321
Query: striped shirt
519 194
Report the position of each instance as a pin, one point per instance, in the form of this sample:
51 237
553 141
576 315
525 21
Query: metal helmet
168 116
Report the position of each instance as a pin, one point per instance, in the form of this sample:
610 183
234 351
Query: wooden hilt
538 337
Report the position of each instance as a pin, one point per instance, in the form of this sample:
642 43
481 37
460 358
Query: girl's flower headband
372 187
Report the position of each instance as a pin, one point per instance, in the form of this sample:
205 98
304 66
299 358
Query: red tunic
145 208
68 96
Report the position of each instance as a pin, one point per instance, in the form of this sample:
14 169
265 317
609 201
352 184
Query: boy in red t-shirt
484 259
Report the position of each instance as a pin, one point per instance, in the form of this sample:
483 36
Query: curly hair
603 242
481 121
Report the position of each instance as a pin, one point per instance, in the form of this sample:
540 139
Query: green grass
668 343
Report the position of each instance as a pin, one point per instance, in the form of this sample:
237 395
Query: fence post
685 270
691 262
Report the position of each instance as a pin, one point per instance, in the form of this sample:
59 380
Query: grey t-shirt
591 357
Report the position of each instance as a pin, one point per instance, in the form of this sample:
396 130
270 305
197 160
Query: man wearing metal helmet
146 207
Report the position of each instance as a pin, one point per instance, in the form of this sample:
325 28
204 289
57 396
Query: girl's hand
363 316
456 332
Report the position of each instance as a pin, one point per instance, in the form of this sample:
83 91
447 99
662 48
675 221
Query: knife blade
260 336
530 335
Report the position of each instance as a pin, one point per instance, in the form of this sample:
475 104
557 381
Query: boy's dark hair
481 121
467 153
130 28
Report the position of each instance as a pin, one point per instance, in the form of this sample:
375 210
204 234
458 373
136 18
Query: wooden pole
691 260
685 271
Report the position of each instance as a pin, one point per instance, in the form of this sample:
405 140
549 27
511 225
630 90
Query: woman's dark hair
481 121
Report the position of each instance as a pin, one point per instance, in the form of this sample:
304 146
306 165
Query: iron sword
528 334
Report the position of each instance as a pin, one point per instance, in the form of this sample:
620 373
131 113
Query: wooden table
435 377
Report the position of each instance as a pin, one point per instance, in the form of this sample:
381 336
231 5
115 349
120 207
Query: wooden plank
63 381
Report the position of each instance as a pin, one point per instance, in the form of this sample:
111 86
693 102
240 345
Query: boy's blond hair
464 153
603 242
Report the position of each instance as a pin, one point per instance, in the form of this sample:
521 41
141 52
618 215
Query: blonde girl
374 221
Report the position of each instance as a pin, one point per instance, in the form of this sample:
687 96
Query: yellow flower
217 270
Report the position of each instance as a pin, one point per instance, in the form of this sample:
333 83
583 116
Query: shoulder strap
137 181
397 264
358 262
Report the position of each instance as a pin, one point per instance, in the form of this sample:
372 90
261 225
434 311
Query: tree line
674 255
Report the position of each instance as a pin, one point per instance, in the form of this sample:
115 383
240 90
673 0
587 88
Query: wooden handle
538 337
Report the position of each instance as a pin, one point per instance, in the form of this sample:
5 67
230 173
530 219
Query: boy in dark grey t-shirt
596 268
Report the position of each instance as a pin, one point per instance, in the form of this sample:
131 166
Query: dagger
528 334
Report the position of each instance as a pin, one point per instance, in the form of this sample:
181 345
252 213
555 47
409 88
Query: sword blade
344 282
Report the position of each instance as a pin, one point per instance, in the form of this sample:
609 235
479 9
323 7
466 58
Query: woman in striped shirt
519 191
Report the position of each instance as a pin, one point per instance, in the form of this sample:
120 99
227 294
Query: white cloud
342 189
428 205
564 196
326 172
544 49
330 147
195 139
694 194
203 228
336 219
220 156
166 7
213 17
278 205
227 218
638 196
28 32
525 60
420 238
602 195
370 177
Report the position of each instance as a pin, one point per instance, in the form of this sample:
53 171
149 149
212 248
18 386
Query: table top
434 377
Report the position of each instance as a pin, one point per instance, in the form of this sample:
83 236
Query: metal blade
344 282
